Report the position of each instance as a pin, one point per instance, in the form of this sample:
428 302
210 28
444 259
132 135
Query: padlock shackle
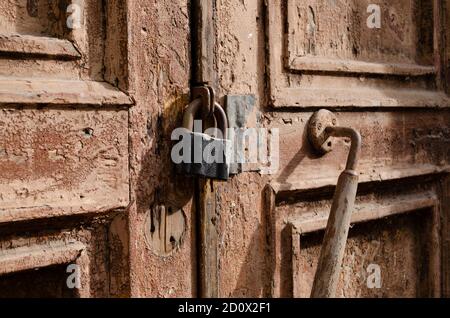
194 107
189 114
222 120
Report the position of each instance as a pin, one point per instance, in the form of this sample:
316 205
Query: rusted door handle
322 128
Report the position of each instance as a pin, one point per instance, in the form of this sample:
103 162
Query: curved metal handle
336 234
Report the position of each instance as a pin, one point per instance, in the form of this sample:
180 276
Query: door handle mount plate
318 137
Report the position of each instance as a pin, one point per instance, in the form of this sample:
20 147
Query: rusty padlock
205 153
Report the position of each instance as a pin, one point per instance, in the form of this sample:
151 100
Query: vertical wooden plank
86 289
208 236
445 183
435 254
431 237
272 263
445 235
429 247
296 266
203 73
446 35
203 39
439 44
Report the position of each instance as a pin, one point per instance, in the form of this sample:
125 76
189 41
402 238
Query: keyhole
165 228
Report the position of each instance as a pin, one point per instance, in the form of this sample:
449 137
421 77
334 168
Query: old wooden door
90 92
382 67
64 182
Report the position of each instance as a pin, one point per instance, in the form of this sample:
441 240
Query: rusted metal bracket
323 128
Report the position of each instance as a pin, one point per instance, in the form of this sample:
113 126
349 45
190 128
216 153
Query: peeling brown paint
85 150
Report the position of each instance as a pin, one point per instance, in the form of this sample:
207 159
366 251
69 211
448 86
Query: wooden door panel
66 134
68 152
63 161
328 56
395 145
388 84
58 37
400 245
63 145
402 216
320 30
37 17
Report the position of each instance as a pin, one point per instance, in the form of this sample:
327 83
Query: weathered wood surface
306 223
374 209
397 145
148 56
51 159
204 42
209 215
349 66
36 45
444 213
60 92
325 39
393 244
204 72
39 256
339 30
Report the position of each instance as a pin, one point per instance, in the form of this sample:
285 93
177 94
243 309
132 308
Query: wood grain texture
13 44
203 52
445 234
38 256
60 92
204 41
325 60
208 258
71 162
367 212
321 64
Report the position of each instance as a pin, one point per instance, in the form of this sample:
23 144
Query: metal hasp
323 128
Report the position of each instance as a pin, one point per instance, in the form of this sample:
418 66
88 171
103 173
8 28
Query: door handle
322 129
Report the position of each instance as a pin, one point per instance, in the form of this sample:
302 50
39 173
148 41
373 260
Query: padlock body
208 157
